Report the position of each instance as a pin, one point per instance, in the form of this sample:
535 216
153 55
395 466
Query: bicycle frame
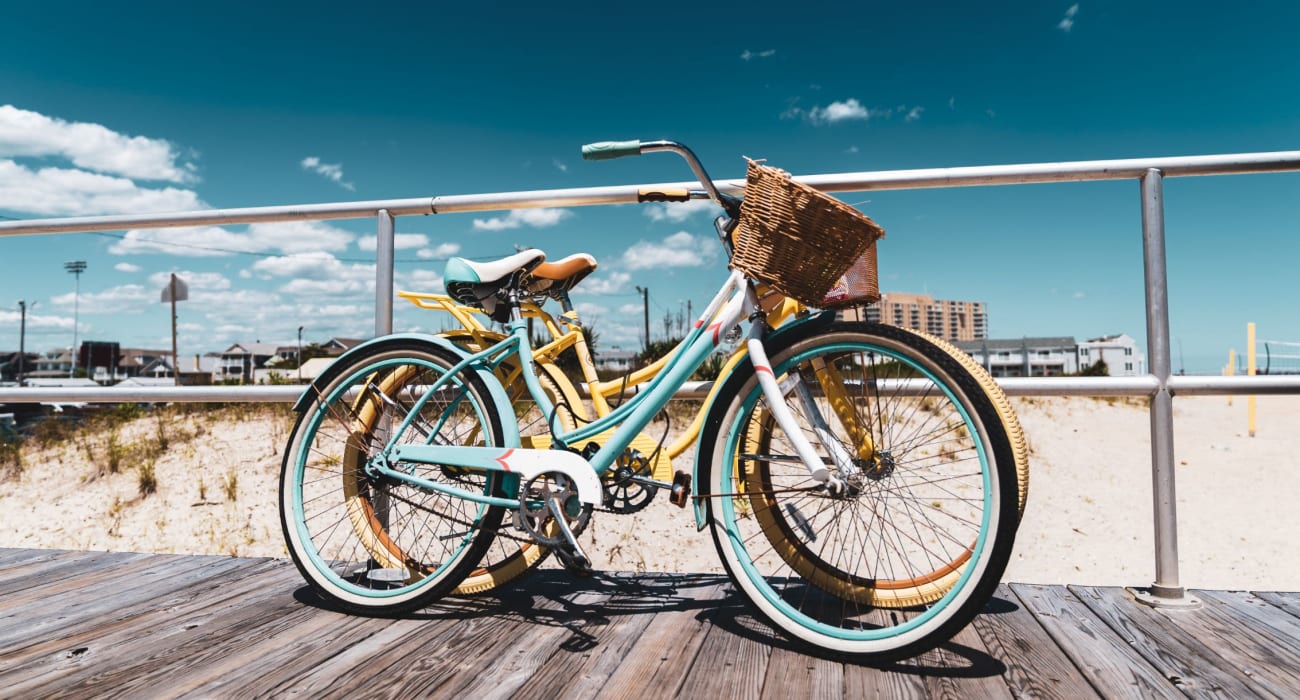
779 311
629 418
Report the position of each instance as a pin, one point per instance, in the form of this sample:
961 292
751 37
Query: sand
1088 519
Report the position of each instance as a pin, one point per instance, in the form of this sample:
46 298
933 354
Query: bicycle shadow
553 598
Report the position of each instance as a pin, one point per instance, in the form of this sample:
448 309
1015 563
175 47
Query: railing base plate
1159 597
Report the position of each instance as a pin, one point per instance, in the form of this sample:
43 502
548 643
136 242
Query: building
951 320
1056 356
1120 352
240 361
615 360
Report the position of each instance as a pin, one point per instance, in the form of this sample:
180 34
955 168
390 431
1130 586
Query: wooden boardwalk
94 624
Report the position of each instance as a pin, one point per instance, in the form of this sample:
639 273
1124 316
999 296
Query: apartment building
951 320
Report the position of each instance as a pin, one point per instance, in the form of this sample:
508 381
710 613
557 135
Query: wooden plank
372 655
39 575
1289 602
1243 643
960 668
1186 661
1256 616
1034 665
11 559
448 652
127 590
152 646
1117 666
636 600
732 661
670 644
524 665
794 674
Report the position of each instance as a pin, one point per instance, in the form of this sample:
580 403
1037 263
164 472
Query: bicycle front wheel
374 544
912 551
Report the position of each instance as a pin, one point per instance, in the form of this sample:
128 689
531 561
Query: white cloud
331 288
851 150
91 146
678 250
559 165
678 212
913 114
35 321
401 241
590 312
1067 22
299 236
627 309
442 251
52 191
214 241
313 265
612 283
748 55
195 281
330 171
848 110
126 267
538 218
124 299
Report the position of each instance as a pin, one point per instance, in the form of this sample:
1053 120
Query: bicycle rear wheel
378 545
914 551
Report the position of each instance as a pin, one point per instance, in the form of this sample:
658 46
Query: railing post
1166 591
384 274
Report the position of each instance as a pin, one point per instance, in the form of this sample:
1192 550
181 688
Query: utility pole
22 340
76 267
300 354
645 305
176 290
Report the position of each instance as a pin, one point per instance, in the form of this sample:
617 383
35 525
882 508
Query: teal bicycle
859 480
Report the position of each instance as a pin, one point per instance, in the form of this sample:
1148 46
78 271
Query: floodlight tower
76 267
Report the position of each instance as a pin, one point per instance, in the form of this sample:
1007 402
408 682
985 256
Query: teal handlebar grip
608 150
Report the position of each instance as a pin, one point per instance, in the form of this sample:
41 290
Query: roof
263 349
1018 343
313 367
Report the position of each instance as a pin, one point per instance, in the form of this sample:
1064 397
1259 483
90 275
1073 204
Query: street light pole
76 267
300 354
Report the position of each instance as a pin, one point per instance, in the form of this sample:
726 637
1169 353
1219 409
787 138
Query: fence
1158 385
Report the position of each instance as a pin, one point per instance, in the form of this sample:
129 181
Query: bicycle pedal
680 493
574 563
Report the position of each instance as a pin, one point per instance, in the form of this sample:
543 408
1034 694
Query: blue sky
165 106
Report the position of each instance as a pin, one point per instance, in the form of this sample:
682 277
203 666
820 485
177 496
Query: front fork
847 469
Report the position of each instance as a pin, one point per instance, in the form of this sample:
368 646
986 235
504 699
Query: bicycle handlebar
609 150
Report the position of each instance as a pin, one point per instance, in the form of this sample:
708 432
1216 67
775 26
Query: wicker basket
805 244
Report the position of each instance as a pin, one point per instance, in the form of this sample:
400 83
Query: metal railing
1158 385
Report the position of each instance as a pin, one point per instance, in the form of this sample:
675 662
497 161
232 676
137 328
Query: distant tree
1096 369
656 349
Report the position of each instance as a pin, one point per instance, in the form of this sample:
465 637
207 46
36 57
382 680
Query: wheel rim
359 508
959 568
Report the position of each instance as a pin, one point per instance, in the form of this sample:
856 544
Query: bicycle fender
508 423
711 431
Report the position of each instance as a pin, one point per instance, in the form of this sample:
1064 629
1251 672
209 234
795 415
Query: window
1083 352
1128 366
1128 351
